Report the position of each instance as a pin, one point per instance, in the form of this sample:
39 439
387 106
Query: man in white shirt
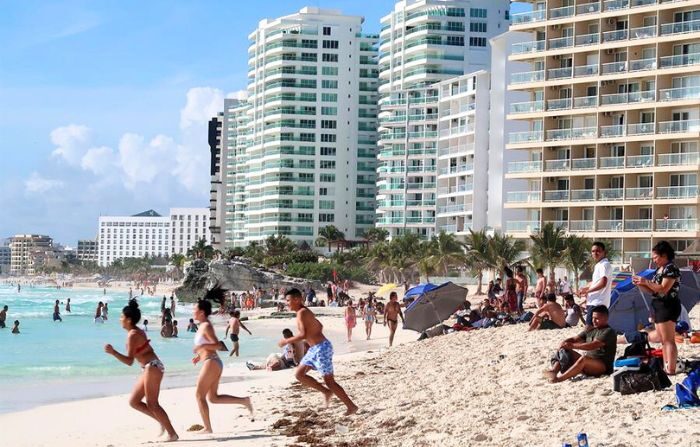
597 292
565 286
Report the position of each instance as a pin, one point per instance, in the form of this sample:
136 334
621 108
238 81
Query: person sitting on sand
191 327
599 344
15 328
574 314
235 325
555 315
3 316
138 348
57 312
391 316
320 354
289 358
487 310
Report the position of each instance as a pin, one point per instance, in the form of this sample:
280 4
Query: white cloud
240 95
99 160
202 104
38 184
141 162
72 142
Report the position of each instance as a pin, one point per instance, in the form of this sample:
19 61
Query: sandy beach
482 387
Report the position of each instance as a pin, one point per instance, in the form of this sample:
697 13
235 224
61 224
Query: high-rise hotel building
614 121
424 42
300 153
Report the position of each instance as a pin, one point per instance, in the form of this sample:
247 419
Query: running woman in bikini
205 346
391 314
320 354
138 348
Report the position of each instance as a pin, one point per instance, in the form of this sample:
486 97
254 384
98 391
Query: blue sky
103 105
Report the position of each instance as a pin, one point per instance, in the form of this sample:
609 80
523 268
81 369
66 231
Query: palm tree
577 256
329 235
374 235
378 260
505 250
548 247
279 245
255 251
201 248
445 251
479 256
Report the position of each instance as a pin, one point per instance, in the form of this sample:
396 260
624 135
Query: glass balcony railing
641 128
561 42
682 159
515 167
627 98
451 209
675 94
677 192
639 193
557 165
419 185
640 161
527 107
457 169
643 32
679 126
612 162
448 228
583 163
523 196
689 26
642 64
560 13
577 226
682 60
525 226
528 17
528 47
613 68
582 194
457 149
612 131
585 102
585 70
525 137
391 204
528 76
690 224
638 224
587 39
616 35
572 134
559 104
556 196
455 189
611 193
587 8
560 73
610 225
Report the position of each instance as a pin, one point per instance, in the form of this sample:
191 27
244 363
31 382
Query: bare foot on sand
551 376
328 395
249 405
204 431
172 438
351 410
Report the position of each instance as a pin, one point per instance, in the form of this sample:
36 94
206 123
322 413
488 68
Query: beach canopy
386 288
434 306
630 307
419 290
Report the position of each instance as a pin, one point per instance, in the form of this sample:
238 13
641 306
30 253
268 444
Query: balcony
557 165
682 60
527 107
611 193
457 169
446 190
572 134
528 47
527 76
585 70
612 162
560 73
420 203
642 64
677 192
669 29
627 98
560 13
690 224
561 42
677 94
679 126
638 225
613 68
528 17
558 104
587 39
556 196
580 195
448 228
525 137
639 193
579 226
615 36
523 196
526 226
515 167
610 225
459 149
641 129
583 163
683 159
449 209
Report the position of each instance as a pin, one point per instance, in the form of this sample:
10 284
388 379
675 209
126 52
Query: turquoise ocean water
53 362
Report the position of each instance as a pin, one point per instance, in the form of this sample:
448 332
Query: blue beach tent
418 290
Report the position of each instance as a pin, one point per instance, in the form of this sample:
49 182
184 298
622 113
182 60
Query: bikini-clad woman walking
138 348
206 345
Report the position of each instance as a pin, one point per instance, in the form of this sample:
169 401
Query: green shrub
296 257
324 272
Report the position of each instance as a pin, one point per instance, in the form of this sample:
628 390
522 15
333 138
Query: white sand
482 387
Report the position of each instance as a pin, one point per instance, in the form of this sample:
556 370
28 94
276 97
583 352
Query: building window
323 217
455 40
326 83
328 124
329 71
477 41
477 13
330 44
477 27
326 204
329 57
326 30
327 178
327 164
327 138
322 191
328 151
329 97
329 111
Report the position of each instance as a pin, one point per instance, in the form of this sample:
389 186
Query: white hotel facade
613 116
151 234
300 153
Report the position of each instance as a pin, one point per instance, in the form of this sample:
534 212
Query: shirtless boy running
235 325
391 314
319 355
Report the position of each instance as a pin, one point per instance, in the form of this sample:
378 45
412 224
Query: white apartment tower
300 153
613 121
187 227
424 42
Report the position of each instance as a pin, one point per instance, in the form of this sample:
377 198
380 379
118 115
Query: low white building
149 233
187 226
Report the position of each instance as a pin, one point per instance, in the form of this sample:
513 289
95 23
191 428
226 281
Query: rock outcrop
213 278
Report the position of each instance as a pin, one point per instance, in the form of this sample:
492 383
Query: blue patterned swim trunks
320 358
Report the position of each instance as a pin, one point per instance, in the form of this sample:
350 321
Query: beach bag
639 347
650 377
687 391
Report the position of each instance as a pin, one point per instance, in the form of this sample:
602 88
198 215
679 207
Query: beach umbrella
386 288
420 289
434 306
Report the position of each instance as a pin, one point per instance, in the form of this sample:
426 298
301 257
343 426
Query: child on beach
3 316
145 325
105 310
138 348
206 345
319 355
174 328
191 327
15 328
369 314
56 312
235 325
350 318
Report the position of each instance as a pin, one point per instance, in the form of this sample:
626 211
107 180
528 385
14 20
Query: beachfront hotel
299 153
424 42
150 234
216 190
613 121
87 250
29 252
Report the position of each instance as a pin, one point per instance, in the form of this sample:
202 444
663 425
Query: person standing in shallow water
320 354
138 348
57 312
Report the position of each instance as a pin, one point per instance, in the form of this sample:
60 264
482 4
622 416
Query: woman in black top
665 287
